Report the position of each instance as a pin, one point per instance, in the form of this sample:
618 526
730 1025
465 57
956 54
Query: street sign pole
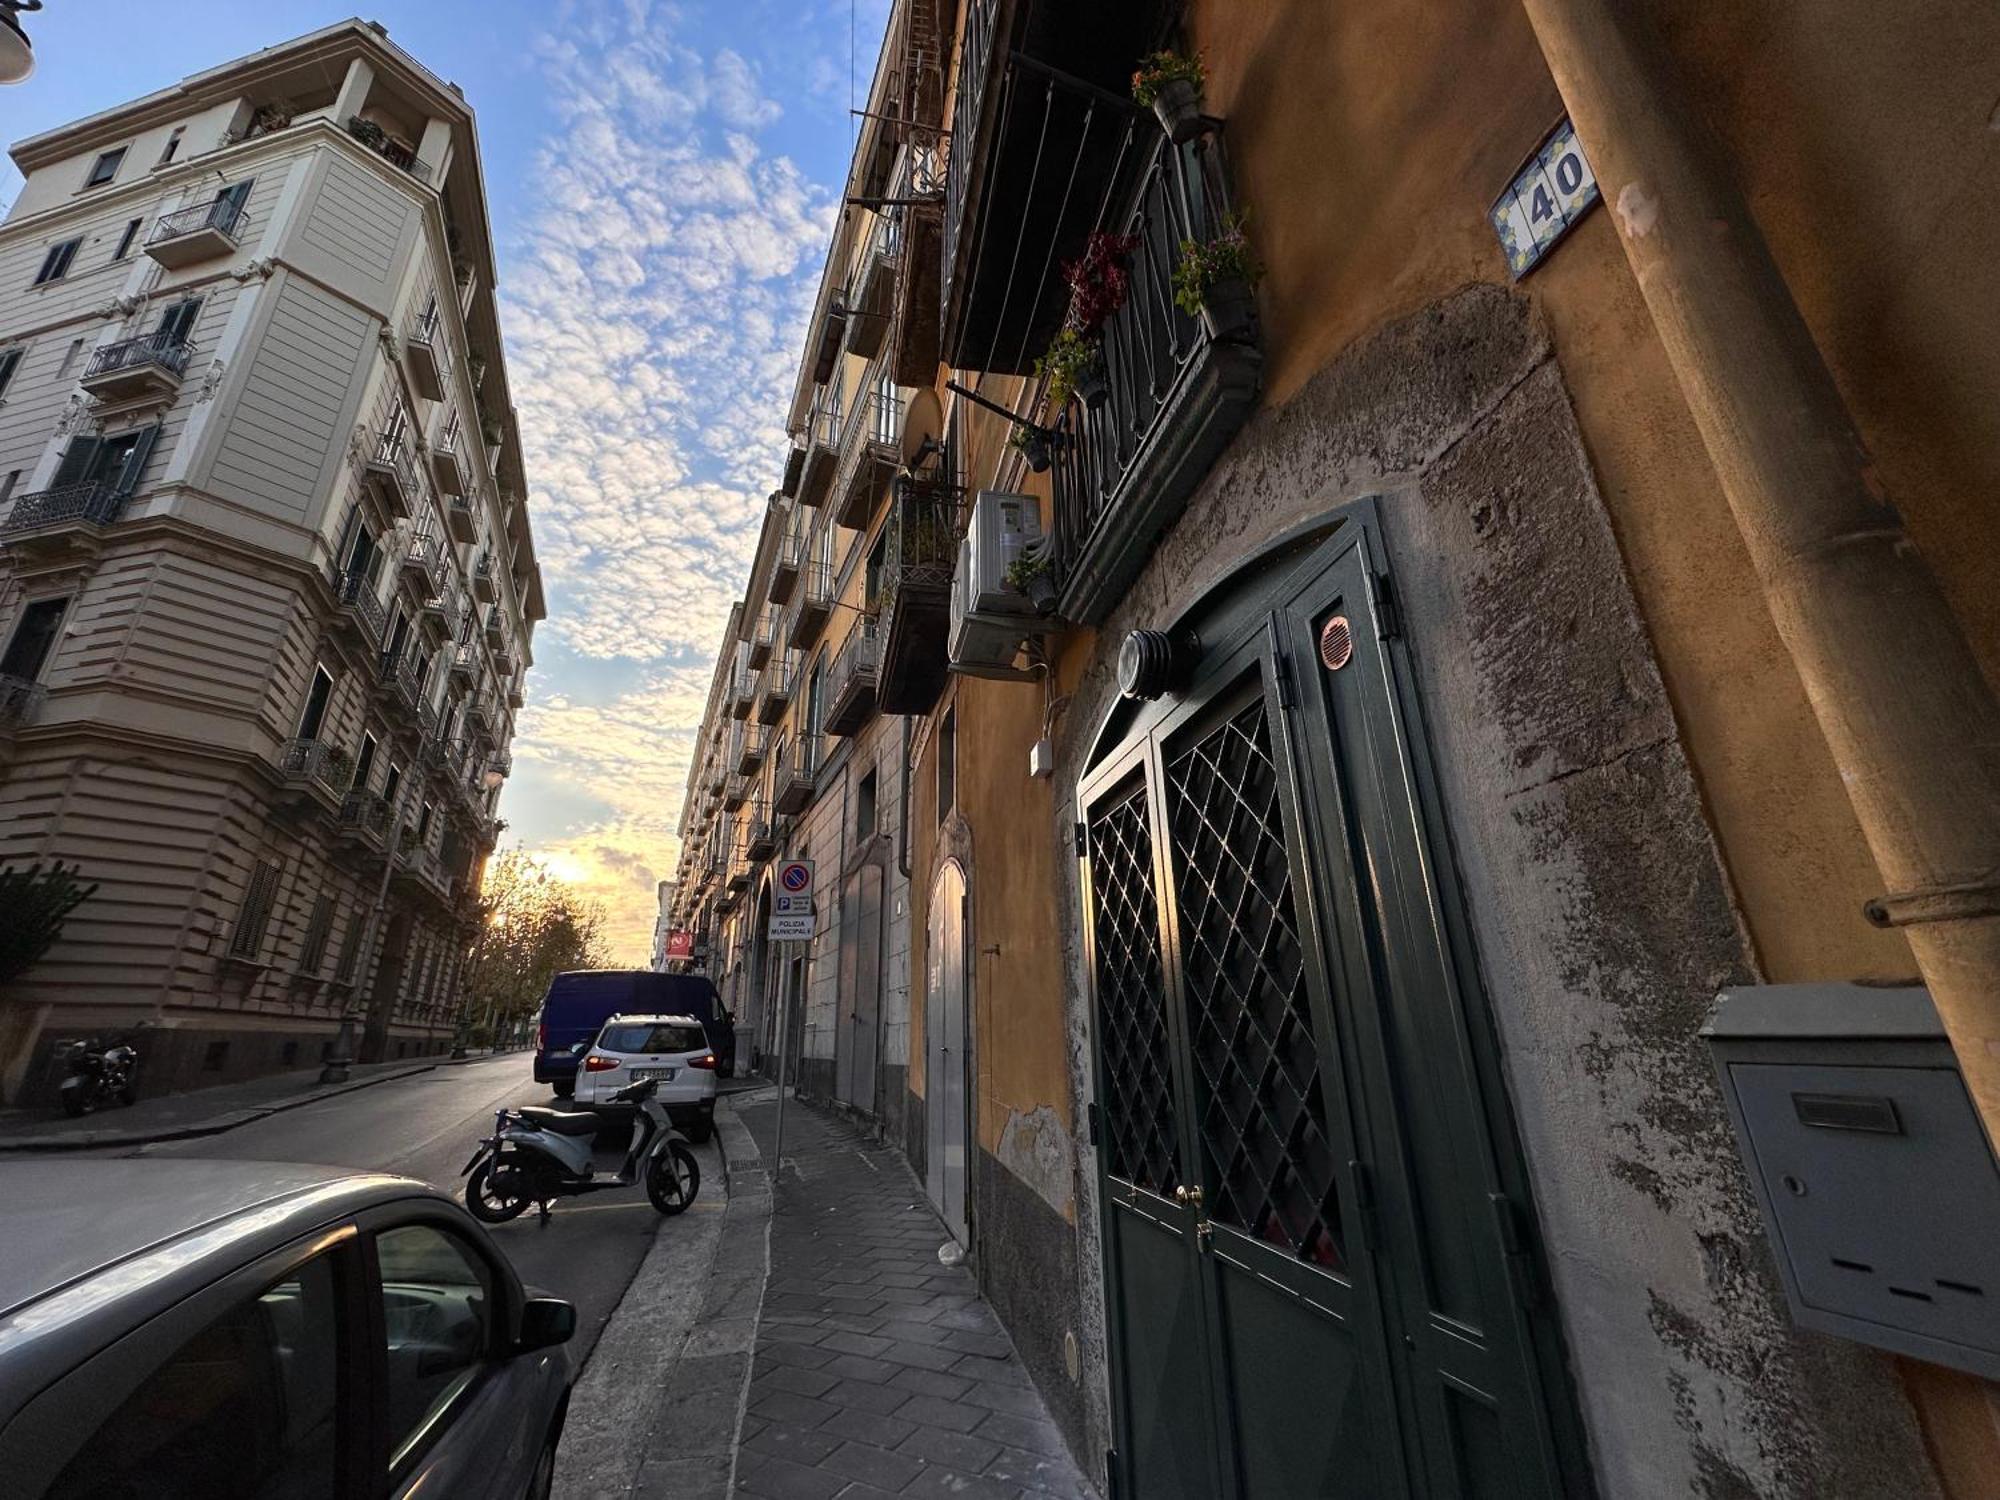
784 1051
792 919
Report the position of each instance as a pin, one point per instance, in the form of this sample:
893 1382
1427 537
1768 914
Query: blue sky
663 181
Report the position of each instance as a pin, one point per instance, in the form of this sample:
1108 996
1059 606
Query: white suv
673 1049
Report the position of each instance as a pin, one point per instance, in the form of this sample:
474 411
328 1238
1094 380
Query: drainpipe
1900 698
903 807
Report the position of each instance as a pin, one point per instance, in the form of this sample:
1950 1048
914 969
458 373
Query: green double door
1314 1224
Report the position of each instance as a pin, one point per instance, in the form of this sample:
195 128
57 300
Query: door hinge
1082 836
1092 1115
1388 614
1364 1202
1281 664
1113 1480
1515 1246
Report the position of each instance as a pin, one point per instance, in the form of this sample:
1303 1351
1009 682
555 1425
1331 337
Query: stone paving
879 1371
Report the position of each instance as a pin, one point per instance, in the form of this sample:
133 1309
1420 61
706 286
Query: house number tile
1553 189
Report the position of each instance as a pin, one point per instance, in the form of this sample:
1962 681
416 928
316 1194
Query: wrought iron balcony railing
797 775
850 682
813 604
1175 394
919 557
393 470
20 701
355 594
318 763
774 686
869 454
198 232
97 501
167 353
822 448
785 565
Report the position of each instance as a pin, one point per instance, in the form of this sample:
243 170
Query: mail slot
1877 1183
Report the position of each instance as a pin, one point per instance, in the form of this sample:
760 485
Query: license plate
665 1075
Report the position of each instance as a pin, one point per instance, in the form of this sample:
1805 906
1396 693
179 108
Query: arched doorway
859 1024
945 1048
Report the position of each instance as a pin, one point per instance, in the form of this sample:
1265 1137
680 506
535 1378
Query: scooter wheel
77 1102
673 1178
494 1202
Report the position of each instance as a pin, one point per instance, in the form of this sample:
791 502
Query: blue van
580 1002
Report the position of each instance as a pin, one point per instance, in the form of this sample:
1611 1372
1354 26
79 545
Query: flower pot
1041 591
1091 389
1228 309
1178 108
1036 451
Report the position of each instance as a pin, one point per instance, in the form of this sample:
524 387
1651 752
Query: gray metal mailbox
1878 1185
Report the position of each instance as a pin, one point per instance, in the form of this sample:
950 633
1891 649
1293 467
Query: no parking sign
792 902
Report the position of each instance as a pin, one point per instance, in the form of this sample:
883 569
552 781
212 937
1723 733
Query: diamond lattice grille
1256 1064
1137 1087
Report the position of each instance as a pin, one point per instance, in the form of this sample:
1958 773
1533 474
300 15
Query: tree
532 927
34 904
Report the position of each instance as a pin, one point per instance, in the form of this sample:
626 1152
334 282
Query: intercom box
1876 1179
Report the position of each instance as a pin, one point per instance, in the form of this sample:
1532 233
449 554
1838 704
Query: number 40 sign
1554 188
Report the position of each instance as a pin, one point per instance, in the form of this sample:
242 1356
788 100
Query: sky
663 181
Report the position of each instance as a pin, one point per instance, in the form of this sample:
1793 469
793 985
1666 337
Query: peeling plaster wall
1597 898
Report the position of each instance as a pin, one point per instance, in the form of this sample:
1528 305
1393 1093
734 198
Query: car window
246 1410
437 1314
652 1038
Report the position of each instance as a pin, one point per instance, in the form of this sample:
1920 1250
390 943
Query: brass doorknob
1188 1195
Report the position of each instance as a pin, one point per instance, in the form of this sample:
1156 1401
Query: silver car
230 1330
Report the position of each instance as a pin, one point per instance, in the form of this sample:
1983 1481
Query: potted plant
367 132
1213 280
1171 84
492 431
1032 443
1067 365
461 270
1099 280
1033 575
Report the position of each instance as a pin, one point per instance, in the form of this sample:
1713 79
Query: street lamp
17 54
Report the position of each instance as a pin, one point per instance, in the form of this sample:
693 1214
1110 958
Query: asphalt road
427 1126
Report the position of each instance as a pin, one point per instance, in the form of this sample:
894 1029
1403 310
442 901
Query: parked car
672 1049
228 1330
580 1002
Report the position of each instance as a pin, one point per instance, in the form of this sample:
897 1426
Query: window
229 205
69 358
10 361
653 1038
423 822
864 806
391 782
437 1314
312 951
350 949
118 460
125 240
34 638
255 916
177 322
55 265
364 763
947 766
249 1407
314 718
872 587
7 485
173 145
104 168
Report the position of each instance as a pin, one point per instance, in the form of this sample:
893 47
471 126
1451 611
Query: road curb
213 1125
751 1188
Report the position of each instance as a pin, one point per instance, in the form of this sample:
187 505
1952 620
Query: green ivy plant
1063 364
1205 264
1024 570
1162 68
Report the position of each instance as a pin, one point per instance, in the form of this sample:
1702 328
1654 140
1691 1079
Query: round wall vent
1336 643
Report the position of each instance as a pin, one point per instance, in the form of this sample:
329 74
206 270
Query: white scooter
538 1155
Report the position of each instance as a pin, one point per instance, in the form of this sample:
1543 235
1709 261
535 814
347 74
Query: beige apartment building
267 581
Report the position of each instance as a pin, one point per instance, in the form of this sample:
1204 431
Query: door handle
1188 1196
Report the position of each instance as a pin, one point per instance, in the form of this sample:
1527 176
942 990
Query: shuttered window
255 917
312 952
350 948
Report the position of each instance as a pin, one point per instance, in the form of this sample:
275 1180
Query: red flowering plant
1099 280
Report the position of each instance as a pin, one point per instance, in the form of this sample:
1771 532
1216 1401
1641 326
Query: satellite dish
922 425
17 56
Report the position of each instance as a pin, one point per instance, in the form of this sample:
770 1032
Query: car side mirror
545 1322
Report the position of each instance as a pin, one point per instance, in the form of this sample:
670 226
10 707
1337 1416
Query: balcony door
116 460
1313 1237
945 1119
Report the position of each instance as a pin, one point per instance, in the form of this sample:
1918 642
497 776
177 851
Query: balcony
482 579
913 329
763 636
94 502
760 839
464 667
752 740
715 774
814 604
850 684
398 675
318 767
447 470
20 701
872 298
870 453
517 697
496 630
734 791
196 233
439 608
797 776
423 564
391 150
463 519
785 566
420 354
774 693
1039 134
743 693
1124 470
363 819
360 608
822 450
392 473
479 720
503 662
917 564
137 369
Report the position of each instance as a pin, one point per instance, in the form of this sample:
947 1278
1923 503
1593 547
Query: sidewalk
877 1370
174 1117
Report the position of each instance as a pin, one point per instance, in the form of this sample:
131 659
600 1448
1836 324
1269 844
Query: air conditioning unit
989 620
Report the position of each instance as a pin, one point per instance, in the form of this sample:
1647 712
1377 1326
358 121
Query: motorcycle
98 1075
538 1155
